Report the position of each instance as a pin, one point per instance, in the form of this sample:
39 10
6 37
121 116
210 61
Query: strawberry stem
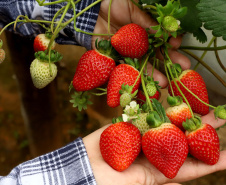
167 75
218 58
204 53
109 17
146 93
41 3
141 70
194 94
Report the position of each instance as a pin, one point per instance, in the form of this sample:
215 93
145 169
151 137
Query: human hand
125 12
142 171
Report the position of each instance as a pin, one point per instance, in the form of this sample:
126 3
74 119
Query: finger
193 169
141 18
175 42
210 119
176 57
158 76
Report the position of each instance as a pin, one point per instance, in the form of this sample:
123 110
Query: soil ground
13 140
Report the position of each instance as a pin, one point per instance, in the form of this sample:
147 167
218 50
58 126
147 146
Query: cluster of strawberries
164 136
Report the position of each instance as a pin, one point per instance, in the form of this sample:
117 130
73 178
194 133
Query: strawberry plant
117 68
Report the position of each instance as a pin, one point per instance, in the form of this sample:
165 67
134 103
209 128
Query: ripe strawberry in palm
131 41
120 144
121 74
42 41
94 67
178 112
203 141
164 145
195 83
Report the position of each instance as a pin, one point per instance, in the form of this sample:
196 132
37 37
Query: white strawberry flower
125 117
131 111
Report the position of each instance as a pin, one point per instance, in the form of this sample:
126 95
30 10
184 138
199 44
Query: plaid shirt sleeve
11 9
68 165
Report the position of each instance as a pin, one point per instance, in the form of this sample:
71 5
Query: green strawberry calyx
80 100
220 112
174 100
53 56
153 119
133 62
192 124
104 47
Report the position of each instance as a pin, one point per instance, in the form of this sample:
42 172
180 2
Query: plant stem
206 66
41 3
204 53
202 48
141 70
167 75
145 92
171 74
109 17
218 57
195 95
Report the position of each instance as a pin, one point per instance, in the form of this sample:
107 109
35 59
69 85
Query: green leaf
190 23
213 14
149 2
200 35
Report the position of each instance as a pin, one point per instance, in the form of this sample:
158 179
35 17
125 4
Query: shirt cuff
65 166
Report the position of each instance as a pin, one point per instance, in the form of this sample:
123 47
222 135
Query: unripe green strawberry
141 123
125 99
151 89
220 112
170 24
40 73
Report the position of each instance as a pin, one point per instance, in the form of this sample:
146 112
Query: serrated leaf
213 14
200 35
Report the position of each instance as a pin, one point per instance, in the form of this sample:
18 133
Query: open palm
142 171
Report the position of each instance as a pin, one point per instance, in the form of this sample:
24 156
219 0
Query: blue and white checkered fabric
11 9
66 166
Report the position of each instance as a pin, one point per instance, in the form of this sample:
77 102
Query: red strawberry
195 83
178 114
41 42
93 70
120 144
203 142
166 148
142 99
131 41
122 74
